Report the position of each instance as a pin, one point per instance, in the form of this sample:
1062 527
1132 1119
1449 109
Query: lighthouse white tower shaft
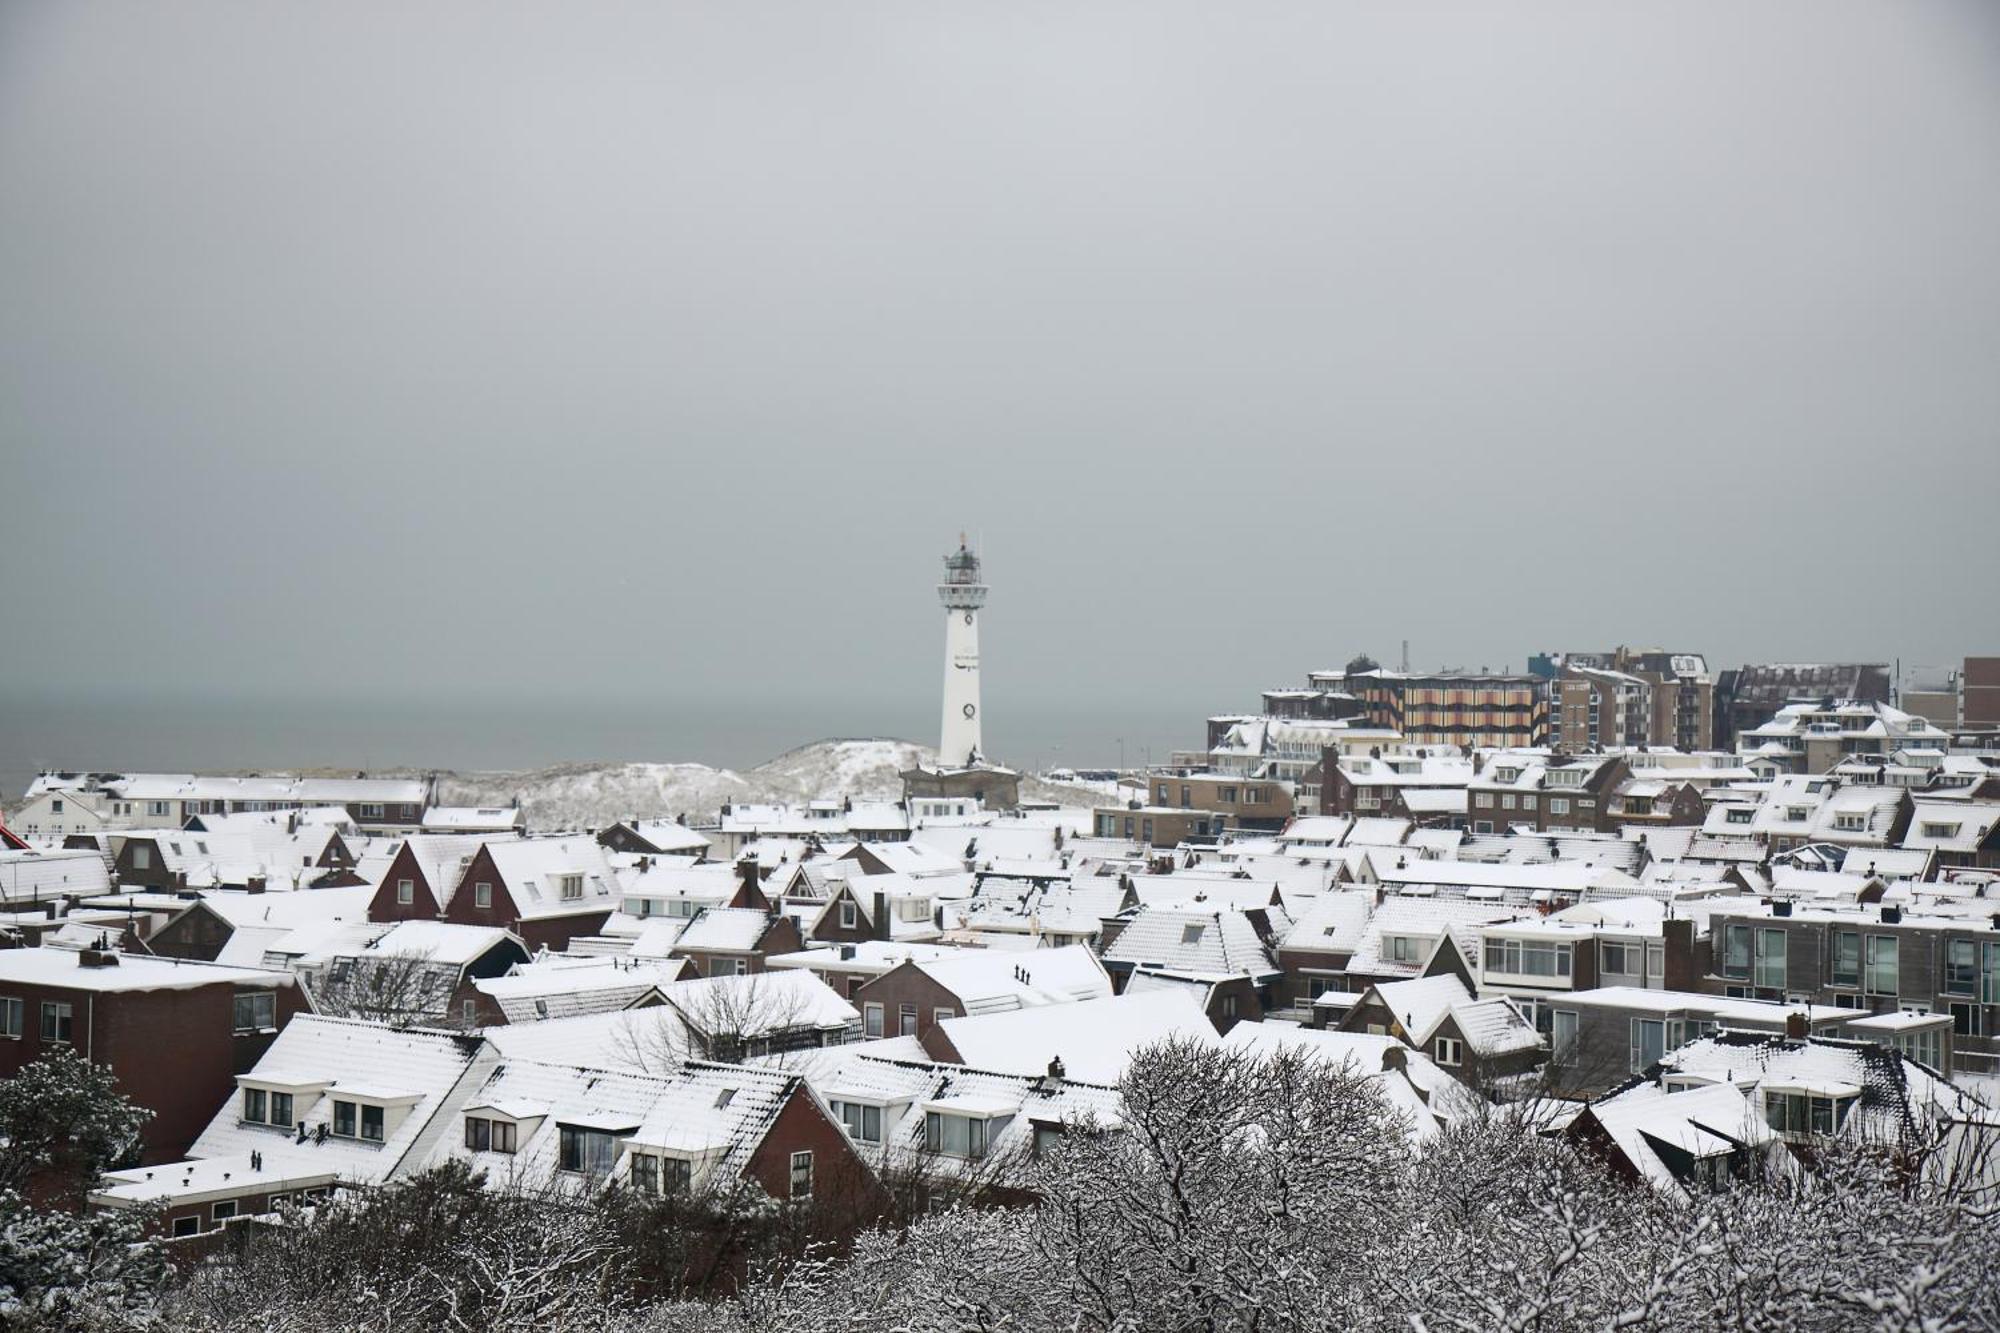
963 595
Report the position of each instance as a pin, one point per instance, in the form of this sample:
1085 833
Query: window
343 1119
907 1018
1528 801
1192 934
1450 1051
469 1012
1989 974
849 918
1770 969
1736 952
586 1151
802 1175
187 1226
1804 1113
156 807
281 1109
1562 1039
224 1210
1649 1043
483 1135
254 1106
1507 801
1742 816
1967 1020
1229 1006
1936 830
142 855
10 1017
482 895
1047 1139
406 892
56 1017
1617 958
645 1173
1528 958
871 1020
1558 805
572 888
55 807
1483 800
940 1015
954 1135
1882 965
1961 968
1401 948
863 1123
256 1011
1846 958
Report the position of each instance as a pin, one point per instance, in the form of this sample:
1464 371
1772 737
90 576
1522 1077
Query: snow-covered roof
65 969
725 930
327 1059
39 873
1700 1122
989 982
534 870
1212 943
534 992
1095 1039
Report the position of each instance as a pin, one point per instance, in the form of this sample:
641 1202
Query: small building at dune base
993 788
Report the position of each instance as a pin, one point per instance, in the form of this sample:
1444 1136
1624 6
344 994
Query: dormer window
849 917
483 1134
954 1135
586 1151
1797 813
357 1120
1565 777
862 1122
1506 774
1801 1111
655 1173
1742 816
1939 829
1848 822
572 887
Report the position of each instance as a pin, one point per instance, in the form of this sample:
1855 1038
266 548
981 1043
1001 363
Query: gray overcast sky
597 353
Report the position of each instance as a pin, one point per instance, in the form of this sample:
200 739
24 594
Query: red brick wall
840 1178
423 905
172 1051
906 985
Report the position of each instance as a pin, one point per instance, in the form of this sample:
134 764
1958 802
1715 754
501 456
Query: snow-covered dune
592 795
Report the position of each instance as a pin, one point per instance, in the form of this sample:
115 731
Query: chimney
1891 915
1795 1025
255 884
883 930
1056 1070
96 958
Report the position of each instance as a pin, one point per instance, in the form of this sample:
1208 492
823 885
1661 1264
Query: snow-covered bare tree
402 989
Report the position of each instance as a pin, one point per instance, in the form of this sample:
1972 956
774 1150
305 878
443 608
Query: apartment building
1450 708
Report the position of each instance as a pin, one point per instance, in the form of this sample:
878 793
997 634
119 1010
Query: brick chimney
1795 1025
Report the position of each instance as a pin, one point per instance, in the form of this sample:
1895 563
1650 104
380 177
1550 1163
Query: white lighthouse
962 594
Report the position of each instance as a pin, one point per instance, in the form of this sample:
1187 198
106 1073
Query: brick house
175 1034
